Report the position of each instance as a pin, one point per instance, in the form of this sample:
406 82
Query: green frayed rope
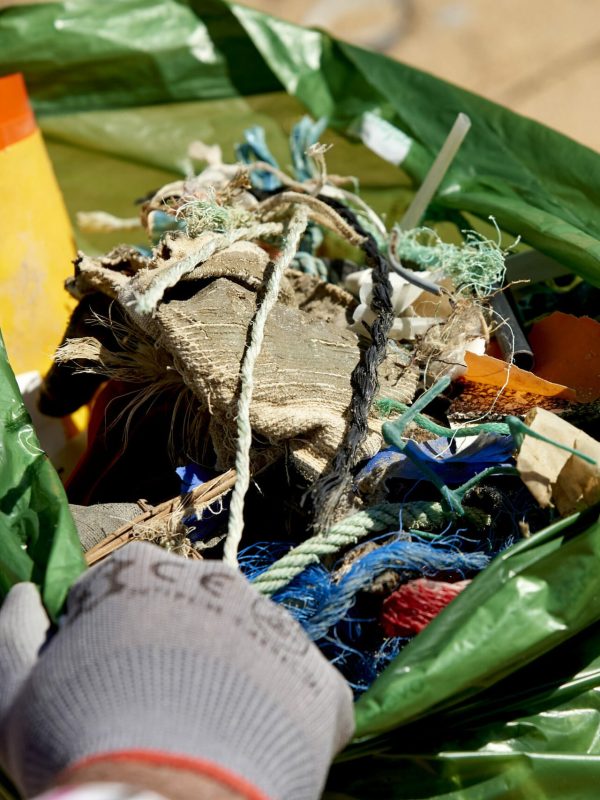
377 519
207 215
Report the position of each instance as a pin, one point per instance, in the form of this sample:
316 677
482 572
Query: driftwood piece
196 500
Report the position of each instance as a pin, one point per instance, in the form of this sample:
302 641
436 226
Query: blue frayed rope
336 599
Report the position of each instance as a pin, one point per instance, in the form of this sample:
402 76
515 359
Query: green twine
478 264
386 405
556 287
392 433
519 430
497 469
512 425
410 412
424 534
206 215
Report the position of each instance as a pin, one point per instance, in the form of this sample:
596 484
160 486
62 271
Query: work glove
169 658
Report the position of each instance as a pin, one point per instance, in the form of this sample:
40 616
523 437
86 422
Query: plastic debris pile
322 397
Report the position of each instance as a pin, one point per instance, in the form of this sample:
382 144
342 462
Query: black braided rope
328 489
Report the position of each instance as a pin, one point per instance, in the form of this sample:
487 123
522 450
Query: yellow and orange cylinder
36 241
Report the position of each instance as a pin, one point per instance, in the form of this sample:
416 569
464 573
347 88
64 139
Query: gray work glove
172 657
97 521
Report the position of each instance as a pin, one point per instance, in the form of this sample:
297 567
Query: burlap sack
302 377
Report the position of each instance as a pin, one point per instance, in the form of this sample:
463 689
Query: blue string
360 667
258 557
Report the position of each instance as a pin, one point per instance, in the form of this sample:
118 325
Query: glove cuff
198 766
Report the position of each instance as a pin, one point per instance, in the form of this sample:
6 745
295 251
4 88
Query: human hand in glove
172 668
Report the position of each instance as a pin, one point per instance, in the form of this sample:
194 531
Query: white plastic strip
435 176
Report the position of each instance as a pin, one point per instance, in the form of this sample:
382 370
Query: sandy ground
539 57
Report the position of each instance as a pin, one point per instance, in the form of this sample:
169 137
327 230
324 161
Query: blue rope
331 602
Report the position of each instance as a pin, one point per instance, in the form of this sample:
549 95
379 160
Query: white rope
296 228
142 297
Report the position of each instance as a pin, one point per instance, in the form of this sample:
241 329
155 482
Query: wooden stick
197 499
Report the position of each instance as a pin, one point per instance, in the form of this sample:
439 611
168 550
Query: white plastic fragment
407 324
103 222
457 356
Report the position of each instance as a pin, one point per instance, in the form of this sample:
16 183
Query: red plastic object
412 607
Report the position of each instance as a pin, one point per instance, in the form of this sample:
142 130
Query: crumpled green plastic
38 538
500 697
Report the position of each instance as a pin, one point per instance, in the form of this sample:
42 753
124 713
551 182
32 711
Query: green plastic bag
39 541
500 696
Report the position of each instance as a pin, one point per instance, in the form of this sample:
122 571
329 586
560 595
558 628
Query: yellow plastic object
36 242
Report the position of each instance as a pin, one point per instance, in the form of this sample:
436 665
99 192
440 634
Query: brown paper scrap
555 476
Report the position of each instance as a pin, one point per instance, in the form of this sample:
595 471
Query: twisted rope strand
318 210
328 490
296 229
143 299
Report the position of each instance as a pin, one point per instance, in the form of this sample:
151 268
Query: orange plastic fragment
567 351
495 372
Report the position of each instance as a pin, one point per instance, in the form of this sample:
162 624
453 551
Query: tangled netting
208 215
476 266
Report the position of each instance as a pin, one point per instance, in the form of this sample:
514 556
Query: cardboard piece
555 476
